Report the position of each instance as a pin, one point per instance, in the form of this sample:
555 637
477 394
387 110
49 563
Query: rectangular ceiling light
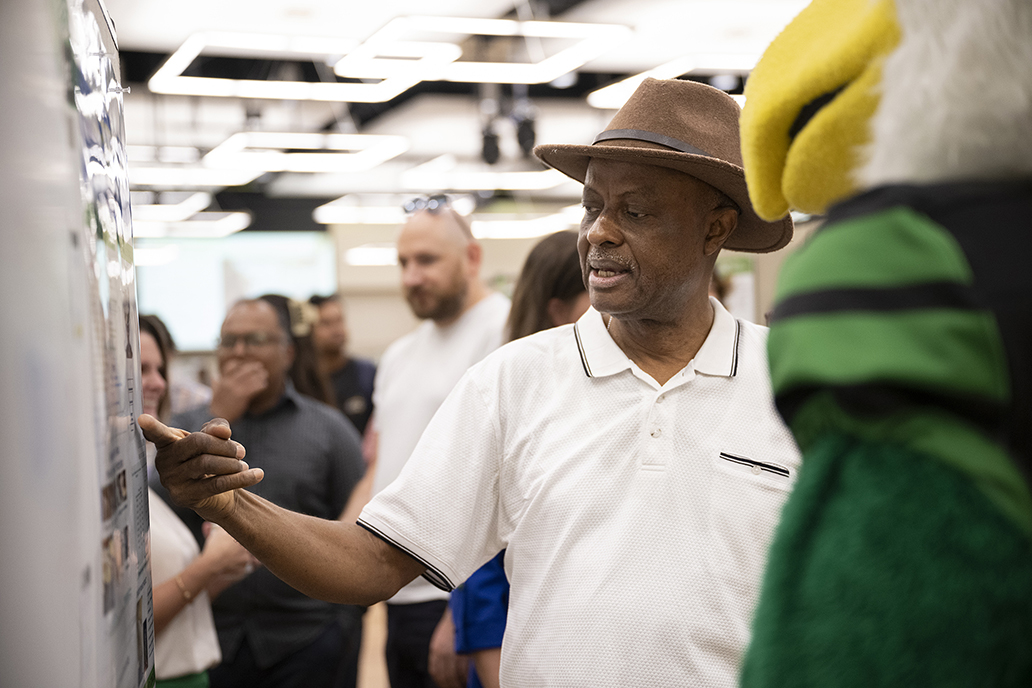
188 177
212 225
484 227
591 40
172 212
170 79
613 96
378 209
536 180
269 152
337 213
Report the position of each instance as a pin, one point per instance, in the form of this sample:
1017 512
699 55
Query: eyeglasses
251 340
431 204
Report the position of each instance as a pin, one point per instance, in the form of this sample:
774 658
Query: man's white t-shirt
636 516
413 378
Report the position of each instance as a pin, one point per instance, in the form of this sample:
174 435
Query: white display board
75 588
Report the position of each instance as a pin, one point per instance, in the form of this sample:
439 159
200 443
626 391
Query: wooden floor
372 671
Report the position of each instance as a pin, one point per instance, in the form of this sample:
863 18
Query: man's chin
421 310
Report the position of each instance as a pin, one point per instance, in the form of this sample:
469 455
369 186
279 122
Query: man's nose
411 276
603 229
239 347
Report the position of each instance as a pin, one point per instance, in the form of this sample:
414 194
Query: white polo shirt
414 377
636 515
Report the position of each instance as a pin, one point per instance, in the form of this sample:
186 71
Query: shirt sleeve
443 509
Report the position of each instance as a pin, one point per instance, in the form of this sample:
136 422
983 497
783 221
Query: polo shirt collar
601 357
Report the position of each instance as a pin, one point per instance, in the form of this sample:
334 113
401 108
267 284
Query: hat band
641 135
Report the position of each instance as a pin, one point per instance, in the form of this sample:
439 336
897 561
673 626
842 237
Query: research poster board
125 629
76 601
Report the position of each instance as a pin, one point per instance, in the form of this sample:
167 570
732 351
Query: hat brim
752 235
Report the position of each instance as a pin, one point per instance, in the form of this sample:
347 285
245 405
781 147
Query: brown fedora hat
686 126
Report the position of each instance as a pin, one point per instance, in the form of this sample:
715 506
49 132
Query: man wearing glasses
462 322
272 635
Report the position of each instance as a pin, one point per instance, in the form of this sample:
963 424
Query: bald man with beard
463 321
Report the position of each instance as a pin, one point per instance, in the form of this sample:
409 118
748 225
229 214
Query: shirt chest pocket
739 469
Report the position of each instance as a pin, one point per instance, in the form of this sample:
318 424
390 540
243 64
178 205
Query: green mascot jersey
901 358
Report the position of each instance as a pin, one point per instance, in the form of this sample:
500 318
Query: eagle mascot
900 344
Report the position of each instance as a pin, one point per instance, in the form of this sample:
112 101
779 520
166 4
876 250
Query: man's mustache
600 255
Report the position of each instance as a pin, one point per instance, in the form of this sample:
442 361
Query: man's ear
474 255
720 223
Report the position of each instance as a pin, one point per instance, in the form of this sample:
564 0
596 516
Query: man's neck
663 348
266 400
478 291
330 362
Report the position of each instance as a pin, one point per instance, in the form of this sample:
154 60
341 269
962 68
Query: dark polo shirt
312 459
353 390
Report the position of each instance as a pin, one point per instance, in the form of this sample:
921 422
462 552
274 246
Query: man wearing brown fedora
631 464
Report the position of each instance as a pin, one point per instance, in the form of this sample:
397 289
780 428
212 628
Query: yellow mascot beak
808 104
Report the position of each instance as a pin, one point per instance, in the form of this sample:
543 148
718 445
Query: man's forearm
328 560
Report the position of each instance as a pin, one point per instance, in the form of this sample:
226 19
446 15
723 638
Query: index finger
157 432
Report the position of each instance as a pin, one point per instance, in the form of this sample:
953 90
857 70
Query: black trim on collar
734 356
641 135
580 350
434 576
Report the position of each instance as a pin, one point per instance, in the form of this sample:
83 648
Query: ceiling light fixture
591 41
169 78
268 152
613 96
502 227
188 177
378 209
172 212
212 225
444 172
171 154
397 59
337 213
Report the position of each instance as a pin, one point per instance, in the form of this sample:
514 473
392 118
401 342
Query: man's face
255 335
642 238
330 333
435 268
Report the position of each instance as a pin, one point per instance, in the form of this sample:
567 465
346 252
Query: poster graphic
125 630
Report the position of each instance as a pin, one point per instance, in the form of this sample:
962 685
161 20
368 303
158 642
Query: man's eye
635 214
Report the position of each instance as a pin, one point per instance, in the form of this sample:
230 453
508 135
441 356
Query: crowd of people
527 464
304 407
594 502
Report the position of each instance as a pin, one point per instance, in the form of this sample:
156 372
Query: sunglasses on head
431 204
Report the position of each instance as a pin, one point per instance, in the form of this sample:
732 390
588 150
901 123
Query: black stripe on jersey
883 299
